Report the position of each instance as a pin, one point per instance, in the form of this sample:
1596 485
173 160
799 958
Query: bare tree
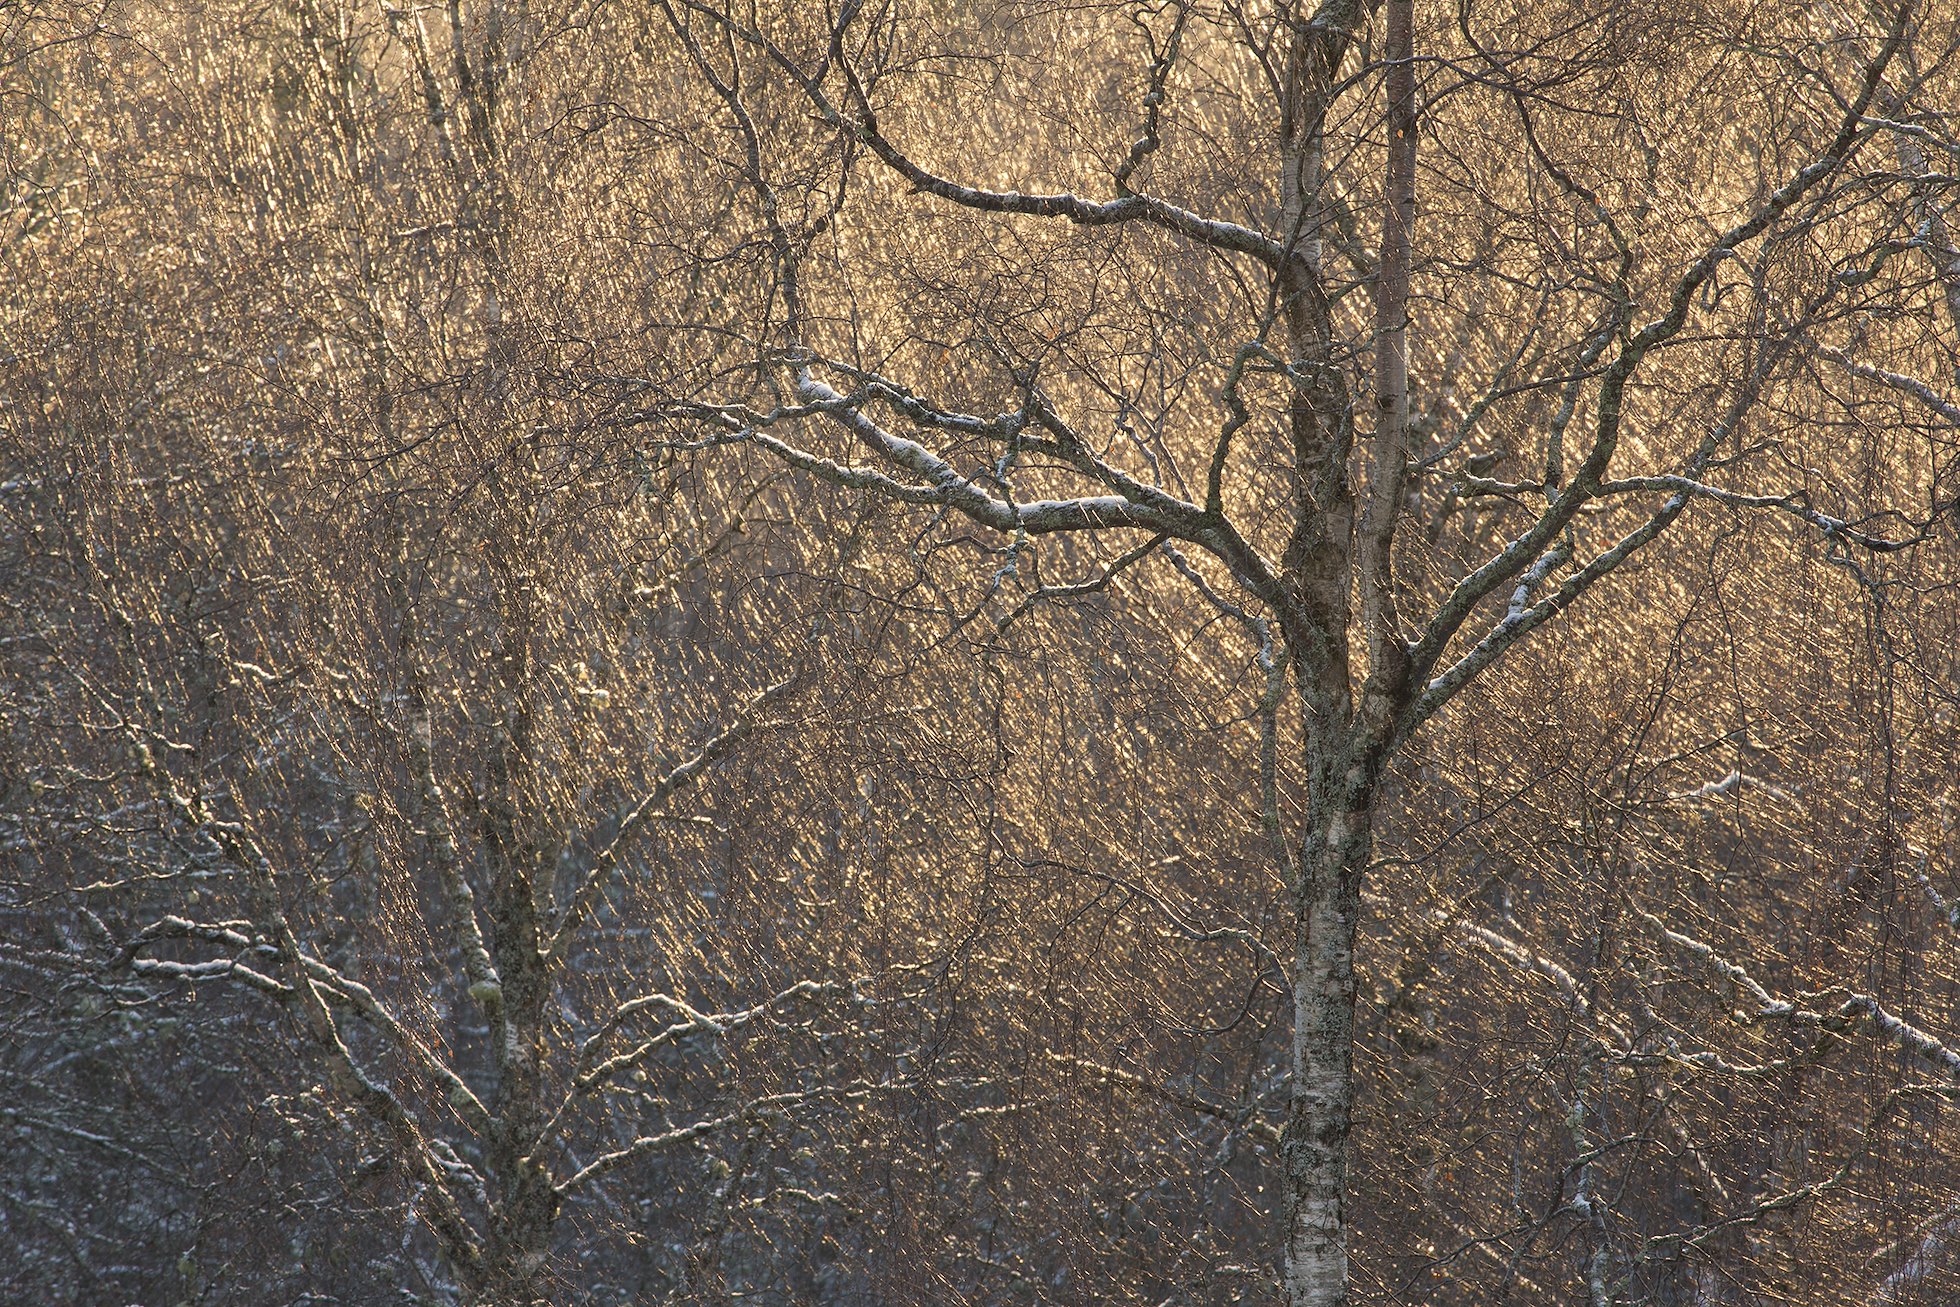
344 685
1296 506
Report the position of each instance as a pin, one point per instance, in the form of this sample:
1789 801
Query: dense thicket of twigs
504 799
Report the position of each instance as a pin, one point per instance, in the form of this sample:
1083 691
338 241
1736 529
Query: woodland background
911 928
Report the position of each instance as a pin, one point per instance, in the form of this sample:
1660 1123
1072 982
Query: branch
1564 505
961 493
1239 1116
1212 232
758 1109
1918 389
1795 503
678 778
589 1075
1854 1008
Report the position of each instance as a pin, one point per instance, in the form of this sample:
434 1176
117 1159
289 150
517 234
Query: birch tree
339 691
1615 284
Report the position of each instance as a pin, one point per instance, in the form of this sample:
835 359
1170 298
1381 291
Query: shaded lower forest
1163 653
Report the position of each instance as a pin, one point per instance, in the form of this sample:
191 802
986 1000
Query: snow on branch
1797 503
965 495
1898 381
761 1110
1852 1010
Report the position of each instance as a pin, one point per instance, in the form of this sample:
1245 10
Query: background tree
360 695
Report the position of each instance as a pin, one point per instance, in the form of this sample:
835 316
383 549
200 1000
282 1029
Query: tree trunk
1327 907
1326 557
